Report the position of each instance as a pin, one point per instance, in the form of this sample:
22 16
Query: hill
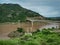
15 12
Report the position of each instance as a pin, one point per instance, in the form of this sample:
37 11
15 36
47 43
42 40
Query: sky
47 8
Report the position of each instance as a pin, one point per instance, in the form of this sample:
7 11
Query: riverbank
6 28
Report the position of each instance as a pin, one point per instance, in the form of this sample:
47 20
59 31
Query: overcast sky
47 8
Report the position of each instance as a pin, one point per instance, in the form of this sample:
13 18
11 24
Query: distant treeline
53 18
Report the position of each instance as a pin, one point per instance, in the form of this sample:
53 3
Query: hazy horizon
47 8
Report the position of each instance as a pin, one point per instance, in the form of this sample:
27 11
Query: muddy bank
6 28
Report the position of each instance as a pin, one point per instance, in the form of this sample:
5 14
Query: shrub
44 29
38 30
49 29
7 42
43 43
53 28
26 37
14 34
20 30
50 40
46 32
32 43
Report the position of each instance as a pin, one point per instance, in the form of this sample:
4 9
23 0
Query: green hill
14 12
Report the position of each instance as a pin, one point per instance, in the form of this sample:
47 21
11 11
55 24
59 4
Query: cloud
44 7
47 11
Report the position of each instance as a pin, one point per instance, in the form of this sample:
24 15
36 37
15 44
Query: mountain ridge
13 12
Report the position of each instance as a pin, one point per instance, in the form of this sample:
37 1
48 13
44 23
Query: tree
20 30
22 17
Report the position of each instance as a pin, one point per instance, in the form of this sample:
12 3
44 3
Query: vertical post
19 24
32 26
59 26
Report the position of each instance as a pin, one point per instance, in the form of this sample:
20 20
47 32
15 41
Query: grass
37 38
9 42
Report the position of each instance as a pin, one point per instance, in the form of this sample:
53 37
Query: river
55 25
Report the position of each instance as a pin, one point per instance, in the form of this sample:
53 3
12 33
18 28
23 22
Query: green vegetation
14 12
9 42
50 29
44 37
53 18
20 30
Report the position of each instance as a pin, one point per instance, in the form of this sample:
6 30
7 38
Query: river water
55 25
